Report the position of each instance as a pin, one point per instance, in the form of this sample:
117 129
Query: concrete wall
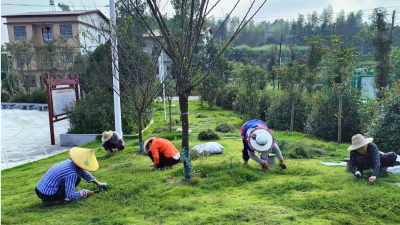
76 139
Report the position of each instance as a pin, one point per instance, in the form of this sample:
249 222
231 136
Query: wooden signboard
61 97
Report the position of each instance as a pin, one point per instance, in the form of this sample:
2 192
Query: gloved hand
104 186
264 166
357 174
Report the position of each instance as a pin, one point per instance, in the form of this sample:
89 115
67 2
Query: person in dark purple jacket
112 142
365 155
257 137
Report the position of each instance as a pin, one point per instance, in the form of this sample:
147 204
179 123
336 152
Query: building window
99 38
66 30
31 79
47 33
68 57
20 32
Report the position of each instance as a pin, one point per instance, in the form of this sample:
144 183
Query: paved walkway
25 136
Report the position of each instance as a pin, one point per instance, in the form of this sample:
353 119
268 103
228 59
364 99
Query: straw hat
358 141
84 158
260 139
107 135
145 144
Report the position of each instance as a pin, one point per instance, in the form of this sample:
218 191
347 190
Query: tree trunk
170 116
273 82
211 103
340 119
292 115
140 131
187 165
201 98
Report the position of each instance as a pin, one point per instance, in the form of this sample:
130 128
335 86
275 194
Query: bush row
95 114
36 96
316 113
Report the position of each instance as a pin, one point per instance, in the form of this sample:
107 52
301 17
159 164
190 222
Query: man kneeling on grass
162 152
58 184
364 155
112 142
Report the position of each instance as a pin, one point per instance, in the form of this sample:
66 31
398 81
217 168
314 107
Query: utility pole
114 51
162 79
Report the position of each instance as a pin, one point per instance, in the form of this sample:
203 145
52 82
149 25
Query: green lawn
222 190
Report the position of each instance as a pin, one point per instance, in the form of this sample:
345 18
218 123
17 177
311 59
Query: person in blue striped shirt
59 182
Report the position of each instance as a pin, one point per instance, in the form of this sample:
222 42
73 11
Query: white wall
89 35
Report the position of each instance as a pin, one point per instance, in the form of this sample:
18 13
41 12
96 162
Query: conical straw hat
84 158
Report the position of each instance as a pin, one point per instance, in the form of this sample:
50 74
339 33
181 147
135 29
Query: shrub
5 96
226 97
201 116
265 103
367 111
278 115
385 128
95 114
172 136
225 128
38 96
322 122
158 130
20 98
194 154
304 150
208 135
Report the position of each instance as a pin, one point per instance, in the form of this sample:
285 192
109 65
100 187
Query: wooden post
50 103
76 87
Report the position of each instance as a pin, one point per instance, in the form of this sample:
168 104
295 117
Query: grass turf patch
222 191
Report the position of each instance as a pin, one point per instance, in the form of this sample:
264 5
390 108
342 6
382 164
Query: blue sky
273 9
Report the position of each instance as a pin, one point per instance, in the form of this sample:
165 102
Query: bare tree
139 82
170 92
22 54
180 41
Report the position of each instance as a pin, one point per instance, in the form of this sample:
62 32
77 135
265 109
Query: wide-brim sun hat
84 158
146 142
357 141
260 139
107 135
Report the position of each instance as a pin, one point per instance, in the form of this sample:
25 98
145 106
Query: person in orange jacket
162 152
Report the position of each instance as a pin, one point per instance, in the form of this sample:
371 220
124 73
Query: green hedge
226 97
36 96
322 122
95 114
5 97
278 116
385 129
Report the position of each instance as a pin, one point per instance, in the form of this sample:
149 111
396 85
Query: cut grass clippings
222 191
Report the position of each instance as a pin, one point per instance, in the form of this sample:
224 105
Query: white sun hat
260 139
357 141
